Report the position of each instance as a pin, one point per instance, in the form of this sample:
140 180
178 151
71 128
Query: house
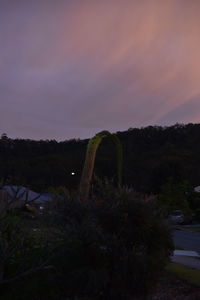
19 196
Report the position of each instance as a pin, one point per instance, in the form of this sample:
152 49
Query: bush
197 215
22 253
113 246
110 247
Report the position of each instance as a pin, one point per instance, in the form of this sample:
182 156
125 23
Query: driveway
187 261
187 240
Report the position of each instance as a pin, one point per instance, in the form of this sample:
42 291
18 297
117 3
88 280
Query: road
187 261
187 240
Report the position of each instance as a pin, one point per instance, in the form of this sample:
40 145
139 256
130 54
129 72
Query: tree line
153 156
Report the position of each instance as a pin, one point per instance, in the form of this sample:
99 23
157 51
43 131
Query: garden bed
171 287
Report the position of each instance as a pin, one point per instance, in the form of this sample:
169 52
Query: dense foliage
152 155
110 247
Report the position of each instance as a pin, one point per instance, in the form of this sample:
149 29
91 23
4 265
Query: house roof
25 194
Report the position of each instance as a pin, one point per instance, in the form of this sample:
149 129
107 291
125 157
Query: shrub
109 247
197 215
113 245
22 253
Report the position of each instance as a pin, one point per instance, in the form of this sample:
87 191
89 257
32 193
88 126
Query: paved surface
187 261
186 253
187 240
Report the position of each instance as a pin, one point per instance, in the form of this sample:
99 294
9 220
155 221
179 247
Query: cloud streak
71 68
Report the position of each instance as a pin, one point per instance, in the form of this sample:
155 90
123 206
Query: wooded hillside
152 156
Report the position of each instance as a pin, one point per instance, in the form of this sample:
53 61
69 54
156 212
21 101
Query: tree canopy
152 155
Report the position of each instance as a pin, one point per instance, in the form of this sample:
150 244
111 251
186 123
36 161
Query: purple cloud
71 68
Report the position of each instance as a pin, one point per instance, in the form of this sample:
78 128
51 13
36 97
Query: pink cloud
77 67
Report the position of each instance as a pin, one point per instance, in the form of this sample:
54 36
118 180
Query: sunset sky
70 68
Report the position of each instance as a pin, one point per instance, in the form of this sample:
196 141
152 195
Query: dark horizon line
85 139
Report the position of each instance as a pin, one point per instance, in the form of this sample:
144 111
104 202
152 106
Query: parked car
176 217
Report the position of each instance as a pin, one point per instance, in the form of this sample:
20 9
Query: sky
71 68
